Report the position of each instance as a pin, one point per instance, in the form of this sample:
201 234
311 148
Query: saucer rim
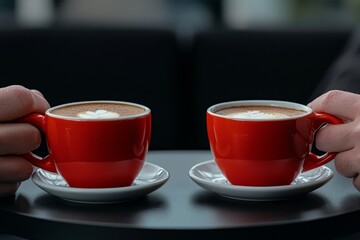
277 192
81 193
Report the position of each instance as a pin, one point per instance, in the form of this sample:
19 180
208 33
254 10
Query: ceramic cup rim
146 112
275 103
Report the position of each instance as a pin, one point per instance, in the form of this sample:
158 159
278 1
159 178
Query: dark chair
259 64
98 64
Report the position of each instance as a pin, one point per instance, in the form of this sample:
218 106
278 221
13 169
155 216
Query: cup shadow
122 212
261 212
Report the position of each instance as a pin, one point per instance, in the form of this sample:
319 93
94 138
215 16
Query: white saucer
150 178
208 175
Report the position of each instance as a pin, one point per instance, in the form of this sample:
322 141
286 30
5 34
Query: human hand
342 138
17 138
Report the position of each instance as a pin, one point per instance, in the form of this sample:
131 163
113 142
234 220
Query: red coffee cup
252 146
96 144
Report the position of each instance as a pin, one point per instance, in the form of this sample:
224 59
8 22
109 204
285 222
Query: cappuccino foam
259 112
254 114
98 114
98 110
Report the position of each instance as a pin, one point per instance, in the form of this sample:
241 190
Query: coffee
259 112
98 110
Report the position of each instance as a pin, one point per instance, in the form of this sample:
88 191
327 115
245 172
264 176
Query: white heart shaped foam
98 114
257 115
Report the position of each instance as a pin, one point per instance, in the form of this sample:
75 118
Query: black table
181 209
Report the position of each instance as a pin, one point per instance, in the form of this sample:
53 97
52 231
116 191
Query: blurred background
184 16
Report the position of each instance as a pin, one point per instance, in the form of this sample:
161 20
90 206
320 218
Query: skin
343 138
17 138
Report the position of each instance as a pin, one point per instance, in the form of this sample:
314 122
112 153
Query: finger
37 92
356 182
339 103
17 101
337 138
14 169
8 189
18 138
348 163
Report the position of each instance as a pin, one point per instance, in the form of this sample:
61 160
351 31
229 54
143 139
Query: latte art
258 115
98 110
259 112
98 114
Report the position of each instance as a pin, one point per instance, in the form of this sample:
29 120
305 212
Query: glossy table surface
181 209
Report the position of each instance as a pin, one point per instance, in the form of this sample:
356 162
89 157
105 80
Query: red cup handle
47 163
312 160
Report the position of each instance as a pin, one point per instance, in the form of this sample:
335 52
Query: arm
344 73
